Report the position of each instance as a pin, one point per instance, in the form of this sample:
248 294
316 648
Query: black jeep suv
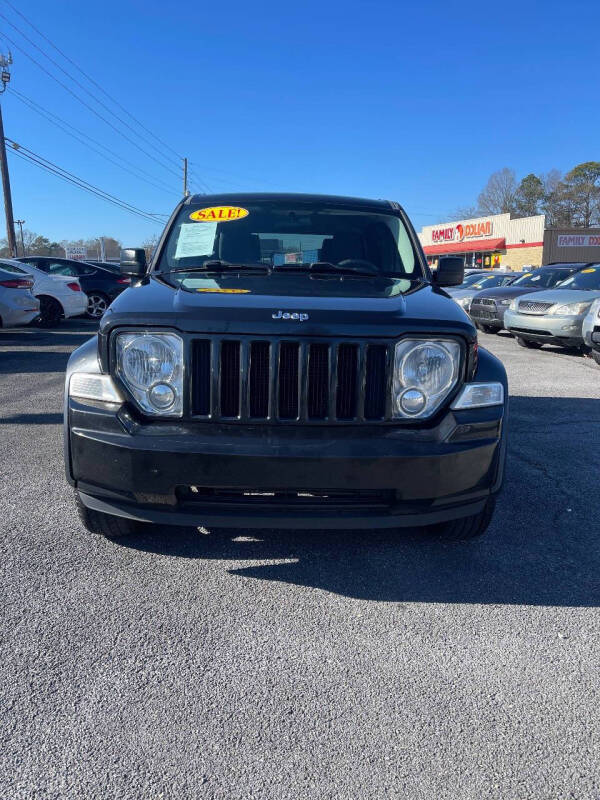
286 361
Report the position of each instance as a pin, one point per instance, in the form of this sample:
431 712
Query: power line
88 106
49 166
90 79
78 83
68 129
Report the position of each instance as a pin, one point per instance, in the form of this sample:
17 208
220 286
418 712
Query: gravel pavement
303 665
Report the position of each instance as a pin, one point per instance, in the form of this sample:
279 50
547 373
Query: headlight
465 302
570 309
425 372
151 367
504 302
513 304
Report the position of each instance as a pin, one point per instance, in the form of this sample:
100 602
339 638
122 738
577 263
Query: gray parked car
464 293
18 306
488 307
555 316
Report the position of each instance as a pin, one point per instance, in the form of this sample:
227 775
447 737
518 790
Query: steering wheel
359 265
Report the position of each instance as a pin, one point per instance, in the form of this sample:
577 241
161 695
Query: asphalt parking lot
303 665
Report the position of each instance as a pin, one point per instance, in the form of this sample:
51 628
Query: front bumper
591 330
145 471
488 315
545 328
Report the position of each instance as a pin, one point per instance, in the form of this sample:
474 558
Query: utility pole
186 192
102 249
5 62
20 223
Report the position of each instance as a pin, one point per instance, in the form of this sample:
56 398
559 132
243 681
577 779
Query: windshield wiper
218 266
327 268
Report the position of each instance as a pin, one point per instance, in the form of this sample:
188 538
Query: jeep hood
250 304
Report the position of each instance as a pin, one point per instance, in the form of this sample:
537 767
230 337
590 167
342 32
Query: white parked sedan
59 295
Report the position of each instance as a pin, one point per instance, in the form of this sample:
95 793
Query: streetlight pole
20 223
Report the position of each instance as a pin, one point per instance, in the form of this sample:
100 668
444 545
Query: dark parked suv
488 307
286 361
100 284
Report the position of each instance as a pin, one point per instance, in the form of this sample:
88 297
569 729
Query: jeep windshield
283 237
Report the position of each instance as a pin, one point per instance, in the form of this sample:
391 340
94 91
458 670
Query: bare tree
581 189
150 245
556 204
465 212
498 195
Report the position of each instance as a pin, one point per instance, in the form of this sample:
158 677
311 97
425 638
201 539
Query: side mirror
450 271
133 261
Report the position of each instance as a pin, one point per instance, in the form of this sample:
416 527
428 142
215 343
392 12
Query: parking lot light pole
20 223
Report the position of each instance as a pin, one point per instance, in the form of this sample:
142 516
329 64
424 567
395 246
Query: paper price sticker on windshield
219 214
225 291
588 270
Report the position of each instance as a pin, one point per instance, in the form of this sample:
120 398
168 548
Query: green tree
529 196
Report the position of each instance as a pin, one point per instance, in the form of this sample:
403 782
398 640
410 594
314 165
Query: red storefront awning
482 245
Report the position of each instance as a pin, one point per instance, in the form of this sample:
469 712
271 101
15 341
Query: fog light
162 396
413 401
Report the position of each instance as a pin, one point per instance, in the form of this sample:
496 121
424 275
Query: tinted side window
56 268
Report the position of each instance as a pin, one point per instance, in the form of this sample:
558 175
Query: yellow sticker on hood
589 270
219 214
217 290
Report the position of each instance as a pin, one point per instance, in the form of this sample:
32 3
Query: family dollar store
487 242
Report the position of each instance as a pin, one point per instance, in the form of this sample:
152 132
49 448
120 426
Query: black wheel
106 524
50 312
595 354
468 527
528 343
97 305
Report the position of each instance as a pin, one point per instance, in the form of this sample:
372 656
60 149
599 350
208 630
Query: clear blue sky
417 102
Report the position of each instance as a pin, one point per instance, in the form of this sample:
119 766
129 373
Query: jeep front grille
288 380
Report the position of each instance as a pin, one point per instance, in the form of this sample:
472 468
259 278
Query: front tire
595 354
528 343
107 525
461 530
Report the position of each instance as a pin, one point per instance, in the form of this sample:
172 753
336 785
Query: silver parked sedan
18 306
554 316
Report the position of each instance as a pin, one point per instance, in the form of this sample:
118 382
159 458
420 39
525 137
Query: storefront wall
495 241
571 245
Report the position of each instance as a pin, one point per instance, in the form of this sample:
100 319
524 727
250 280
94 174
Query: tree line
34 244
571 200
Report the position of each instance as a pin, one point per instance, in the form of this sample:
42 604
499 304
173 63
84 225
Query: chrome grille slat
533 307
290 380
